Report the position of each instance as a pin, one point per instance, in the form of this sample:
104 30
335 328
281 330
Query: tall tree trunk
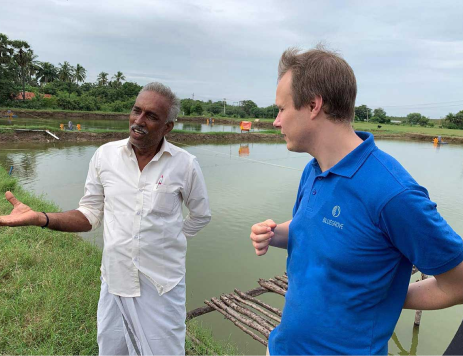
24 84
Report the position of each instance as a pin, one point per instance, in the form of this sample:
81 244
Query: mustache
134 126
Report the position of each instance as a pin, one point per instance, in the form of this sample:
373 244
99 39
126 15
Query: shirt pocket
165 200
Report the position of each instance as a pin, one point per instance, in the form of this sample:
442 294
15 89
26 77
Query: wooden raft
246 311
251 314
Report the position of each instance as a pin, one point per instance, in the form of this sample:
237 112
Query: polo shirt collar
350 164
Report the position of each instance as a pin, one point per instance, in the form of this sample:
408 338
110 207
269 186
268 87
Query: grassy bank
49 289
389 129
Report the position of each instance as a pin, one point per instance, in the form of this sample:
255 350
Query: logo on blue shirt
336 211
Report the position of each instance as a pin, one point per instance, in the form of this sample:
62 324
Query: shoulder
179 153
391 172
112 146
380 179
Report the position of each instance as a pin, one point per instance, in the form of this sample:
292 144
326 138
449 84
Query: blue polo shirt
357 229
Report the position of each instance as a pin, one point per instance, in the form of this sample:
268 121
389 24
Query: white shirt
144 229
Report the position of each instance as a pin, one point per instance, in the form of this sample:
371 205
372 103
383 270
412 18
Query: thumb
10 197
270 223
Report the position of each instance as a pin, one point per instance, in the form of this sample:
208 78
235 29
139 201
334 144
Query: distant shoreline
196 138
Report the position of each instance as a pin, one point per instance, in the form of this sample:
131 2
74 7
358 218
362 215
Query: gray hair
166 92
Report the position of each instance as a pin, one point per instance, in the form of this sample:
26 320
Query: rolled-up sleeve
196 200
92 203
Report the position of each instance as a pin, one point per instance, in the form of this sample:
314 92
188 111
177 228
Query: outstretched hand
21 215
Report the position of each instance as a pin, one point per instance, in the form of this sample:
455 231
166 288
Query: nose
140 119
277 122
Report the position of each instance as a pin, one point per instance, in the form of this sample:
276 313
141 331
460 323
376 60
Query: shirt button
314 192
140 189
138 213
320 178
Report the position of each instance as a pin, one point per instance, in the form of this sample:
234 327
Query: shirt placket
316 183
136 230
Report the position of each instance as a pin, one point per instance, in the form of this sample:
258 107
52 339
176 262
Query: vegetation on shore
49 289
63 87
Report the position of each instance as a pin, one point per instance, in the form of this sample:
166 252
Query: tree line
21 71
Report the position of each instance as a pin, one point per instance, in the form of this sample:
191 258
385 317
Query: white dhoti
147 325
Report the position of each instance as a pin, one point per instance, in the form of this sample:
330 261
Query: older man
360 222
139 185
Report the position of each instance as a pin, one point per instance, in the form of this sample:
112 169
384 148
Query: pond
117 124
248 183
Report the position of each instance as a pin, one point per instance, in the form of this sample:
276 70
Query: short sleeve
418 231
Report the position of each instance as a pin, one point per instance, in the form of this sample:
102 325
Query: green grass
399 129
49 289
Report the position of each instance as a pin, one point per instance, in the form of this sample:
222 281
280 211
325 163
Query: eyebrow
151 113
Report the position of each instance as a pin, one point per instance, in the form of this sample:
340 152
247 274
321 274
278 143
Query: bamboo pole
207 309
272 287
241 318
418 313
231 303
256 307
234 321
280 284
259 302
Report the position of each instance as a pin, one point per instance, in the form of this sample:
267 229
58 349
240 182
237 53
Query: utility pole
224 101
367 113
193 96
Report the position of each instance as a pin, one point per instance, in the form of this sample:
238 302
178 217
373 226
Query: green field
402 129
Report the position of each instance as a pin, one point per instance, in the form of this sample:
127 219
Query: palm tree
118 77
80 73
102 78
66 72
22 58
6 51
47 73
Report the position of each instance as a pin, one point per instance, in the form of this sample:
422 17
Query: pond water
117 124
247 184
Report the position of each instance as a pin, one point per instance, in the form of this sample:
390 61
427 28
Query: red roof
30 95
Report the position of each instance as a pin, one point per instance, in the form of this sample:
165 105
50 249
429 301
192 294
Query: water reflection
413 346
192 127
243 150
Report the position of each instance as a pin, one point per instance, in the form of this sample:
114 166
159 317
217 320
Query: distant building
397 122
30 95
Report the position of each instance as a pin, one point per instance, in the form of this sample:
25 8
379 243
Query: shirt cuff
91 217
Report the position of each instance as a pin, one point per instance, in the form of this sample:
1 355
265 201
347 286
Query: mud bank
182 137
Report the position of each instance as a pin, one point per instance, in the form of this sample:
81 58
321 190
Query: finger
260 228
261 237
260 245
10 197
270 223
261 252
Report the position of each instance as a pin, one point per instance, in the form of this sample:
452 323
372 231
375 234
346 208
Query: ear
315 106
169 127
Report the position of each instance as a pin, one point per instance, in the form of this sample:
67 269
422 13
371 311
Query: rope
246 159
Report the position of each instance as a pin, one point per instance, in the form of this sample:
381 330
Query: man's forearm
280 239
69 221
427 295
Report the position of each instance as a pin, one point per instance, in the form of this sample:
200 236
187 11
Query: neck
333 142
145 154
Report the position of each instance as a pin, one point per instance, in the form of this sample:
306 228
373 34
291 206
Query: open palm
21 214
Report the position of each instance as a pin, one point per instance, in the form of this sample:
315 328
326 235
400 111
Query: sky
407 55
